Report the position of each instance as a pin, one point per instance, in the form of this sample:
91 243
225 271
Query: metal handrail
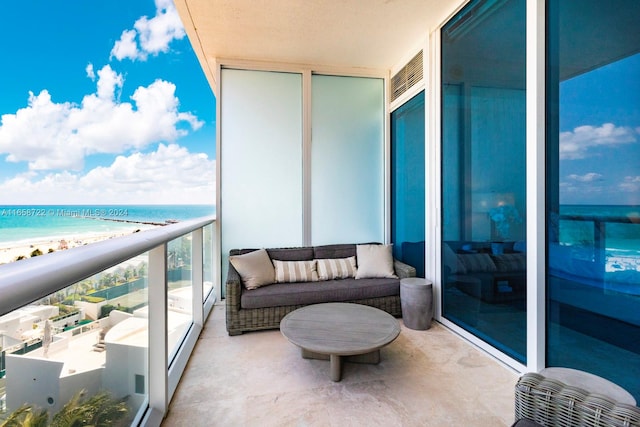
29 280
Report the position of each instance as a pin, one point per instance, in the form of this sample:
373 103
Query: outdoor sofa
309 275
474 269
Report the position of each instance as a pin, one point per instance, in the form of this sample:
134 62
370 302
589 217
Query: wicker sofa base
257 319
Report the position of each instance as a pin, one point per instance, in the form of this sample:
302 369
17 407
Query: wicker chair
543 401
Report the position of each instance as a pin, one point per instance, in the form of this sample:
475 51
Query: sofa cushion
291 254
336 268
255 268
374 261
303 293
295 271
334 251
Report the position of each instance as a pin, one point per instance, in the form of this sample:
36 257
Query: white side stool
416 298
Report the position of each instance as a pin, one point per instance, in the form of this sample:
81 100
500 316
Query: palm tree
26 416
100 410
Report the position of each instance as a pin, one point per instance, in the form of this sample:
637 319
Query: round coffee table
336 330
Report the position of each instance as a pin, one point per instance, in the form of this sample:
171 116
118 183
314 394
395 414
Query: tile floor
425 378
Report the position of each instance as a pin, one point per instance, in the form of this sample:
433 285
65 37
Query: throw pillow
374 261
478 263
336 268
452 261
255 268
295 271
510 262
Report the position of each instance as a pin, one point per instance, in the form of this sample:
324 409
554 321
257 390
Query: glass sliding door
347 159
408 183
593 188
483 173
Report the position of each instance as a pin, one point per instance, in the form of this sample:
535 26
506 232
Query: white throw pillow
254 268
375 261
337 268
295 271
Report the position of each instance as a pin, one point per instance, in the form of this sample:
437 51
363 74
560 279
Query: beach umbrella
46 337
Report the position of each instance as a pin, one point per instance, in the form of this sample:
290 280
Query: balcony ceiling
370 34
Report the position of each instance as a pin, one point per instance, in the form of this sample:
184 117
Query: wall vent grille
407 77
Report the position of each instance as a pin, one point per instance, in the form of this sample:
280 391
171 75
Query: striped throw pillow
510 262
295 271
336 268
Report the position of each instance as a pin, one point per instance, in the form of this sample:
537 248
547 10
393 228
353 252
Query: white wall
32 380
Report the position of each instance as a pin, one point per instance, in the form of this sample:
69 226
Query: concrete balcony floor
425 378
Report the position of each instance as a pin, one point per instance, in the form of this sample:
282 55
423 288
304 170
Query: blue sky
102 102
105 102
600 135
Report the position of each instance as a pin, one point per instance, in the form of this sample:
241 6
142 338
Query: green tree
26 416
142 269
128 274
100 410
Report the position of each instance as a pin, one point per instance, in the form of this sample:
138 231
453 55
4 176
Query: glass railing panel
179 292
601 251
207 260
90 338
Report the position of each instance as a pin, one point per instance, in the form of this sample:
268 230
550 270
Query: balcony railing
136 307
601 245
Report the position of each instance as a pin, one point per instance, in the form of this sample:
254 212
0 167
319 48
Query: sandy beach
9 251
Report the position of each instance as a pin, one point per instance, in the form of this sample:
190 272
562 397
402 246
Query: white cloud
588 177
169 175
631 184
578 144
150 36
90 73
52 136
574 184
126 47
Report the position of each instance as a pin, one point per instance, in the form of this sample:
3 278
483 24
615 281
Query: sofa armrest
403 270
550 402
233 288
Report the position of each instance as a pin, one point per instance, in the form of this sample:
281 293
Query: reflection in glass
483 173
408 183
593 188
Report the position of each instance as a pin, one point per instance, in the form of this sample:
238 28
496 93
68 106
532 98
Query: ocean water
619 225
25 223
608 236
